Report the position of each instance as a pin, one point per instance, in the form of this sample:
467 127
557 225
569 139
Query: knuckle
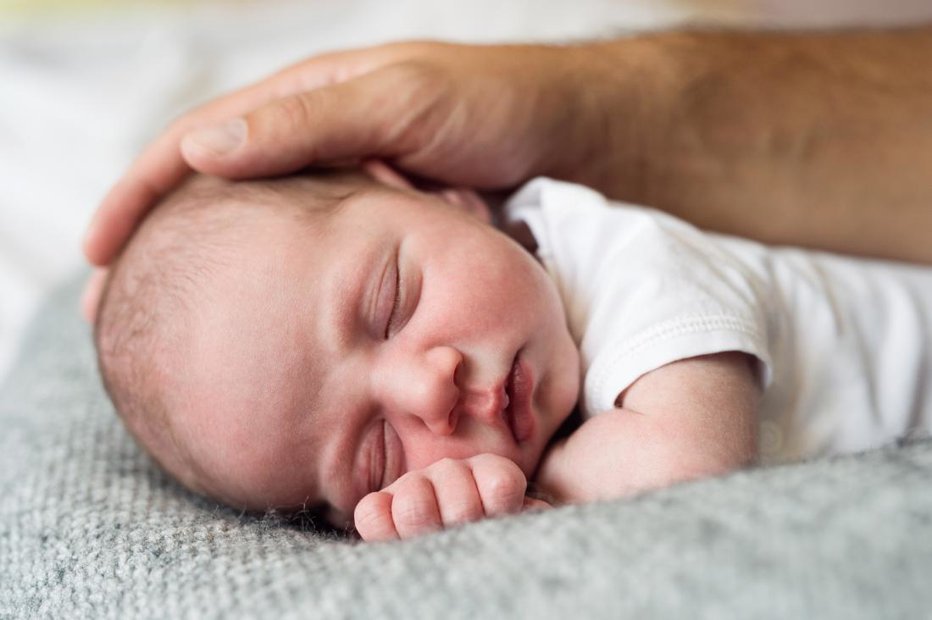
502 486
489 461
505 482
415 516
417 75
295 111
415 510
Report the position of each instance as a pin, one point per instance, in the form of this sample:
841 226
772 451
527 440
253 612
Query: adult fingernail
219 139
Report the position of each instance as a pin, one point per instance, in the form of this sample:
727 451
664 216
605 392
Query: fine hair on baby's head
303 341
159 282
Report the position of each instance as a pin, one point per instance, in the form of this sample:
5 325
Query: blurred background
84 84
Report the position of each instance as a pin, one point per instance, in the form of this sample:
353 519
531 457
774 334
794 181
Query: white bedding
81 93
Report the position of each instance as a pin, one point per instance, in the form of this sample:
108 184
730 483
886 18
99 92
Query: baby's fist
442 494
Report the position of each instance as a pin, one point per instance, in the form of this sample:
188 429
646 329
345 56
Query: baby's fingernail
219 139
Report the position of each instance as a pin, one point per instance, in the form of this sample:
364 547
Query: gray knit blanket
90 528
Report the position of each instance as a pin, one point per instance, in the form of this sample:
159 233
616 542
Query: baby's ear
465 199
469 201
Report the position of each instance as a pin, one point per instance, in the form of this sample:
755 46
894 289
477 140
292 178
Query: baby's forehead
212 220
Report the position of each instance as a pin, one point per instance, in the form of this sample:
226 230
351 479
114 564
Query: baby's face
334 357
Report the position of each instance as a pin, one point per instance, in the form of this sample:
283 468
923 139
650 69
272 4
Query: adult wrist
615 97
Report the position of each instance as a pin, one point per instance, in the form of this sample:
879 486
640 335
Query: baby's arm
445 493
689 419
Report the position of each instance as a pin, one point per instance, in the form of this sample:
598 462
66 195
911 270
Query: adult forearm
816 139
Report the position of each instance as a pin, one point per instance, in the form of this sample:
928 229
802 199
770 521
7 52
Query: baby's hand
443 494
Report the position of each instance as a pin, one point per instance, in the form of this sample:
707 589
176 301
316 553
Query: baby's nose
425 387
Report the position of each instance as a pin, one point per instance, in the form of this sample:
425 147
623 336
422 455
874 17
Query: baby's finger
457 496
500 482
414 507
373 517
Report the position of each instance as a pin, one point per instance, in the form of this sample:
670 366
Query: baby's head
304 341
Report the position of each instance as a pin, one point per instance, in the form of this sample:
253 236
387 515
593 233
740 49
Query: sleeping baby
344 341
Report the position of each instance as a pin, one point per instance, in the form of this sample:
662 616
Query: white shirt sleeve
641 289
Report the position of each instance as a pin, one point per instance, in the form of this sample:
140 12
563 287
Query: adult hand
481 116
736 132
446 493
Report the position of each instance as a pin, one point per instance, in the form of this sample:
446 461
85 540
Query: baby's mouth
508 412
517 412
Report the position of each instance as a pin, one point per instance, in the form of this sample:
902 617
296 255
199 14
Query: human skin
819 139
391 407
370 353
690 419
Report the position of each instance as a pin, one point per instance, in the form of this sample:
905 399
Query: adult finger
90 299
372 517
368 116
160 167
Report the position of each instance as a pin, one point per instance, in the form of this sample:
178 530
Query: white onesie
844 344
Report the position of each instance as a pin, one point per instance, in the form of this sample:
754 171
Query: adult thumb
361 118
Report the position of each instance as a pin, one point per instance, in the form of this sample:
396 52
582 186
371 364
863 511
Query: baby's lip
517 414
507 403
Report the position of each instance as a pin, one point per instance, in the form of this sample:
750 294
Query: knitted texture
90 528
